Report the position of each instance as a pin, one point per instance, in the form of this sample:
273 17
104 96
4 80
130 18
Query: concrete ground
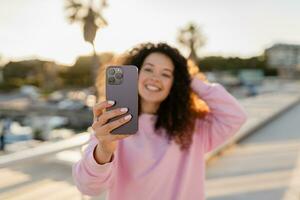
264 165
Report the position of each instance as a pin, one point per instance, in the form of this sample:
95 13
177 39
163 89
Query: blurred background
52 50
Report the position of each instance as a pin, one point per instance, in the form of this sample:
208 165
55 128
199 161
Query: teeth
152 88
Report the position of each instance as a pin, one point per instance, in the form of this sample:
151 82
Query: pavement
263 165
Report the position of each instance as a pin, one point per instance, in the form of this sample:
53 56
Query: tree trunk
193 56
94 69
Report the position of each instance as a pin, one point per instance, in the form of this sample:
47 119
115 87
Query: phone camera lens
111 71
111 79
119 75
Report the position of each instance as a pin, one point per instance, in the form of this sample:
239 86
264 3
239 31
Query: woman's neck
149 107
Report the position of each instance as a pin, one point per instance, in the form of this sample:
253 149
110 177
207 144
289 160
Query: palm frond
73 4
99 19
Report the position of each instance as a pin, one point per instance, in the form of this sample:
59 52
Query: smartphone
122 87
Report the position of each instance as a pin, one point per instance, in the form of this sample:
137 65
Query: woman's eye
167 75
147 70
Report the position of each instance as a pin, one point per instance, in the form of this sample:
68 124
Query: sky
39 29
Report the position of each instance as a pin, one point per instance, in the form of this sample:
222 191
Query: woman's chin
151 98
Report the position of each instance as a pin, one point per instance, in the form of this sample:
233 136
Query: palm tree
191 37
90 17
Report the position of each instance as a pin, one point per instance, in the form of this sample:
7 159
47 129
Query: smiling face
155 80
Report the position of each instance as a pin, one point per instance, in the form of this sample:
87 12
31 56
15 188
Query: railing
44 150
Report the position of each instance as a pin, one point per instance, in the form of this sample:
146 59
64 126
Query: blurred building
285 58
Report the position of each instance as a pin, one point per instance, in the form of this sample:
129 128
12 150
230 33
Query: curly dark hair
177 113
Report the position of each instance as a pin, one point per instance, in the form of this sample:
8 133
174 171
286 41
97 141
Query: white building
285 58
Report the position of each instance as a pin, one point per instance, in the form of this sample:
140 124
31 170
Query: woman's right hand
107 141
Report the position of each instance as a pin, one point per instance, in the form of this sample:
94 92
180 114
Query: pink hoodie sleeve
90 177
226 114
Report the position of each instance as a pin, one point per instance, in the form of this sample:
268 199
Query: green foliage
233 64
48 76
42 74
38 73
16 74
80 74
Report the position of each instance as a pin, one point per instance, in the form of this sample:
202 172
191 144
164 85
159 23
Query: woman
165 158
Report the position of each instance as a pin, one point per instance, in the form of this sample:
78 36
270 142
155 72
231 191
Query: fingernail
127 117
124 109
111 102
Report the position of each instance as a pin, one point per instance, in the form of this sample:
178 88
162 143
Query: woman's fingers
103 134
102 128
110 114
115 124
107 128
99 107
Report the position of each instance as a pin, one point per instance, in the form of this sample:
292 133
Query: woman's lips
152 88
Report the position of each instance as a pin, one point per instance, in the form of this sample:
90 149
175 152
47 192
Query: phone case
125 94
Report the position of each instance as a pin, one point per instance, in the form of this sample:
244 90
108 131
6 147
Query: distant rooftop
282 45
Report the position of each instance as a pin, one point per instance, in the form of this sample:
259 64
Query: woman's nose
154 78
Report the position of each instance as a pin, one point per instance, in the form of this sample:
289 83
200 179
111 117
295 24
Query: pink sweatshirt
146 167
